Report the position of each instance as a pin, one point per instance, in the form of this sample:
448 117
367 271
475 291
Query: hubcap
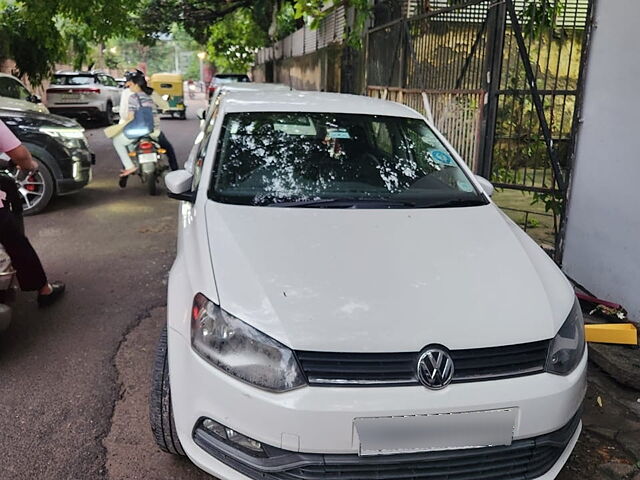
31 187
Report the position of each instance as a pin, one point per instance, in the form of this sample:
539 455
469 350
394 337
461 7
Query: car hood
30 118
371 280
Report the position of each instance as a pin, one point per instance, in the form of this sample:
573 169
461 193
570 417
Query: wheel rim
31 187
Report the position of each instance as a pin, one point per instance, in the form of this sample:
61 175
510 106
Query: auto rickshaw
171 87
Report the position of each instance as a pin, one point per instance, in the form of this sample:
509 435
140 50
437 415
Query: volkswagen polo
347 302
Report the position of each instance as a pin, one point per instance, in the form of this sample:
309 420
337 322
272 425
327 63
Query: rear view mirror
179 185
201 113
486 185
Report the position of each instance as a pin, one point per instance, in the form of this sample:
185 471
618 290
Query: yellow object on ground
620 333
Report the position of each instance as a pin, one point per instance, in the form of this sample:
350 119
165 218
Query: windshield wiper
346 203
457 202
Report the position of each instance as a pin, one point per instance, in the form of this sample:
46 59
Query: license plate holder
148 158
437 432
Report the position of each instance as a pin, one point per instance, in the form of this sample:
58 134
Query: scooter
8 282
151 161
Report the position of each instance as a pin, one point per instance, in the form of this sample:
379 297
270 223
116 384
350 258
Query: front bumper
319 420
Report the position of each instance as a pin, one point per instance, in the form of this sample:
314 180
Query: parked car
58 144
84 95
347 302
223 78
14 95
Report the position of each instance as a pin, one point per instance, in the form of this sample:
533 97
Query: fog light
243 441
231 436
214 427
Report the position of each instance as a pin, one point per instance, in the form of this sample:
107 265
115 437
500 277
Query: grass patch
538 224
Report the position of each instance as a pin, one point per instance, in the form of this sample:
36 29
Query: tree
234 40
39 33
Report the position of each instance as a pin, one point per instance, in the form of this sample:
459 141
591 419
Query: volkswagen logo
435 368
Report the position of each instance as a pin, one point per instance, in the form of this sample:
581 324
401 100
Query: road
75 377
60 383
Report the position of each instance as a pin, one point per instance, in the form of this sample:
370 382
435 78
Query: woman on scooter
140 98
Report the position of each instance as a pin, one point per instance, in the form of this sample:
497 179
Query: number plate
425 433
70 97
148 158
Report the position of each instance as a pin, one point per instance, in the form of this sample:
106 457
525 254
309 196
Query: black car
58 144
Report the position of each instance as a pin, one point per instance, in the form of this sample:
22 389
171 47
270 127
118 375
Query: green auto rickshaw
170 86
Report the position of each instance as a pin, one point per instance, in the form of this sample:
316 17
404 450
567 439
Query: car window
273 157
10 87
73 80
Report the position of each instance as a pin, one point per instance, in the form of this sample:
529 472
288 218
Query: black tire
107 116
152 183
160 408
183 115
36 202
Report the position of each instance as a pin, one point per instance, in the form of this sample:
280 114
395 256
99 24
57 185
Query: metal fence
509 70
307 40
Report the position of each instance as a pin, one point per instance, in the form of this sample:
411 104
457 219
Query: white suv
348 303
84 95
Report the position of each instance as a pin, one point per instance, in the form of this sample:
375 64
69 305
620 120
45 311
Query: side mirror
201 113
35 98
486 185
179 183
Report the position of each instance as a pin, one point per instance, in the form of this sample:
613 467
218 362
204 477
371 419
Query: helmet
132 75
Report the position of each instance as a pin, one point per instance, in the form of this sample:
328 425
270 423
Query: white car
15 96
347 303
84 95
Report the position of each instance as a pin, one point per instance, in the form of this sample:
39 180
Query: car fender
46 158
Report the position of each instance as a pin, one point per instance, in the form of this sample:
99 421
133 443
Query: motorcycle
8 282
151 161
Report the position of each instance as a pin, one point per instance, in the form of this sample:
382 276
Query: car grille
522 460
383 369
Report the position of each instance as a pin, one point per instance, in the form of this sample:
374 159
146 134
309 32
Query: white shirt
124 105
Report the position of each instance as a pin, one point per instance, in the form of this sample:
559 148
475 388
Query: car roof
253 87
301 101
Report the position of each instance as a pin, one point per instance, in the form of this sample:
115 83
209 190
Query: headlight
72 138
240 350
567 348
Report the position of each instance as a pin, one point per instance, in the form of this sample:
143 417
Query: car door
114 91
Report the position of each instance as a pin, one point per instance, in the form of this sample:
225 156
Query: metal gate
501 79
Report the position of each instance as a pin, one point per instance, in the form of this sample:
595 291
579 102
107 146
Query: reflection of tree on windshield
266 157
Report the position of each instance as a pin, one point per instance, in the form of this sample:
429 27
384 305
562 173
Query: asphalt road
59 382
74 378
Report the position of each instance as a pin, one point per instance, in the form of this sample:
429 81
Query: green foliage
234 40
539 16
314 11
39 33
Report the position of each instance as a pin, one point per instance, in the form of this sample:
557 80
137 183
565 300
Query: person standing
25 260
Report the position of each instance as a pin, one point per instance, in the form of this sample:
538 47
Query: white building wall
602 248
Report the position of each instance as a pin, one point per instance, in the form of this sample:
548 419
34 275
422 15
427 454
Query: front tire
108 114
36 189
160 408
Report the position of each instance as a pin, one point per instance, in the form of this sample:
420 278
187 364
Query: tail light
73 90
146 146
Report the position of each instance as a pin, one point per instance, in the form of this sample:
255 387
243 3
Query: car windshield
72 80
336 160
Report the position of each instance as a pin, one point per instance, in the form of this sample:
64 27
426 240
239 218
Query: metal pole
537 99
496 26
